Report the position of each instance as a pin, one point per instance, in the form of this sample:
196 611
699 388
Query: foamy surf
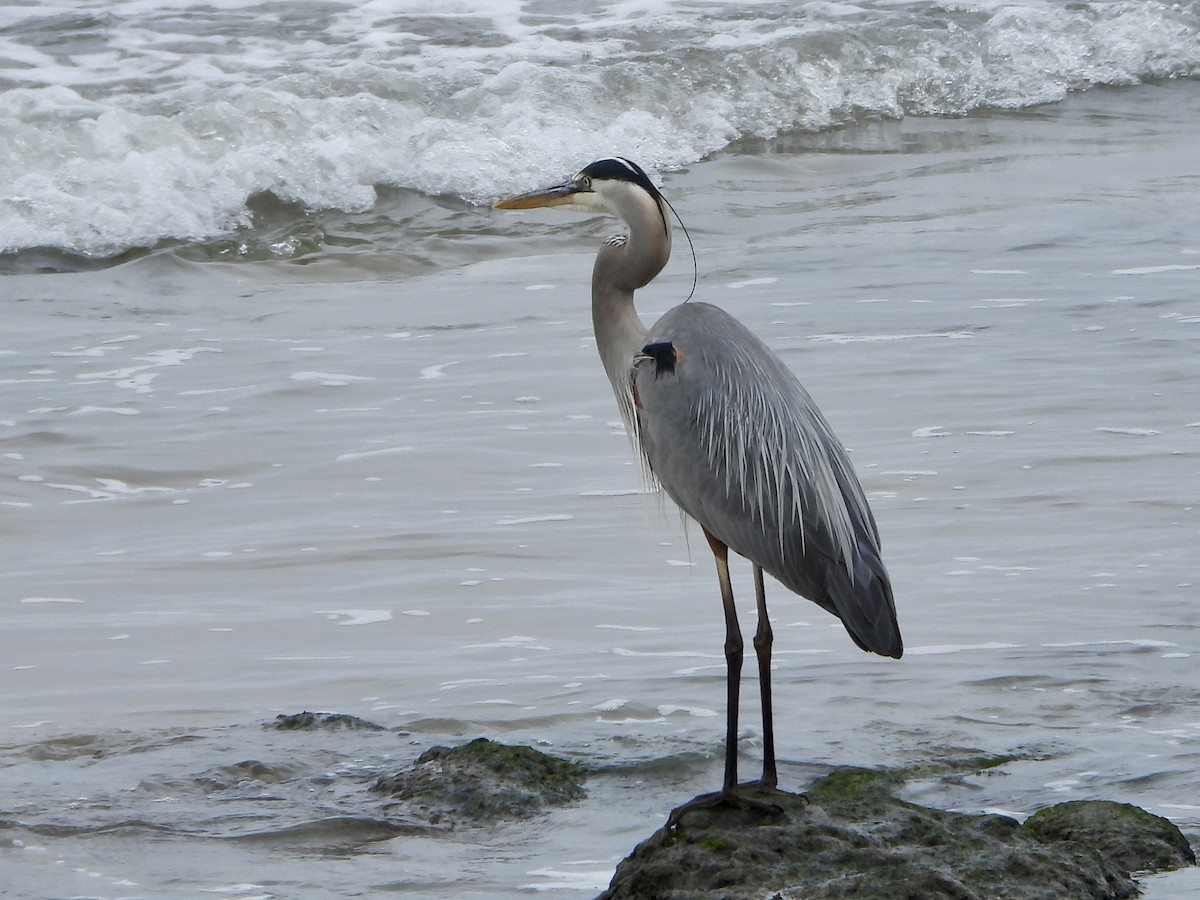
136 124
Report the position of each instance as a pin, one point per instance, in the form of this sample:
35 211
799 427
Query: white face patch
588 202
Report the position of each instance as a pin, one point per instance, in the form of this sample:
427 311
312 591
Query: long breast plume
776 450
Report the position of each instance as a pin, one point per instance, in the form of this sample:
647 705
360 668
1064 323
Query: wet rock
482 781
249 772
850 836
312 721
1135 839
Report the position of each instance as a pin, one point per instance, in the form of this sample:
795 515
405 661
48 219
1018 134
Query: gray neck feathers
622 266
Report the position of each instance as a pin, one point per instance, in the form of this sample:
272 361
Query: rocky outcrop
851 836
481 781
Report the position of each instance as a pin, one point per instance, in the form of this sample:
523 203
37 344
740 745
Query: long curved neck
623 266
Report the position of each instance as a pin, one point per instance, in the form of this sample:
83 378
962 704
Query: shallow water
398 491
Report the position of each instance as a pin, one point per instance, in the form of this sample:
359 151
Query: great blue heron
734 439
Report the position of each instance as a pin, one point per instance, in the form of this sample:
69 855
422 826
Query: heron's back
737 442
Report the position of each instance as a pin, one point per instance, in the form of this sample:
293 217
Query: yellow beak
560 195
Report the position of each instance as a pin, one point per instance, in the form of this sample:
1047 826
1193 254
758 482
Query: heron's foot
770 788
726 800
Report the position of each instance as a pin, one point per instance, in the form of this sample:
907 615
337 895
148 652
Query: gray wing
735 439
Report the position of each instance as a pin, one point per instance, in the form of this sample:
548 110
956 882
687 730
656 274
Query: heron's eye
585 183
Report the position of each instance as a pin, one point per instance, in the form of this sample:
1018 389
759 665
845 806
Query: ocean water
291 419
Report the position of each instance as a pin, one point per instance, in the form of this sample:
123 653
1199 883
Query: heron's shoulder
717 341
699 322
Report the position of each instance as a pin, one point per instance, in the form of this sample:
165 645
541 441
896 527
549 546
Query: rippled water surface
398 489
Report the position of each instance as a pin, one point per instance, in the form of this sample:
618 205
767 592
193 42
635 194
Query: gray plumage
736 441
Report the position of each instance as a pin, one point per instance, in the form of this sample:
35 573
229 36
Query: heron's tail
865 605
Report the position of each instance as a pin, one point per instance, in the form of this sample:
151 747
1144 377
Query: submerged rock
482 781
850 836
312 721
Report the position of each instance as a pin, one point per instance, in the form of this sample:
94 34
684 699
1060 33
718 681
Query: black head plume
617 168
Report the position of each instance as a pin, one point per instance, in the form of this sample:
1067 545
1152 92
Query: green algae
482 781
850 836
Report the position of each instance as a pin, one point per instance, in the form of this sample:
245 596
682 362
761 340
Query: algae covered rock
316 721
850 836
483 781
1137 840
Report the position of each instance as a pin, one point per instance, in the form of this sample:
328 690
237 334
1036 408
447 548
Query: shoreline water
233 491
128 125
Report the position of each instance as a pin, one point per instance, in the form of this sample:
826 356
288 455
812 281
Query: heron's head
614 186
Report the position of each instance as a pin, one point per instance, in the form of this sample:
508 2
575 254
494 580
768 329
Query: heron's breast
657 380
666 394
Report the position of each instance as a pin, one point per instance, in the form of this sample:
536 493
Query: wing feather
735 439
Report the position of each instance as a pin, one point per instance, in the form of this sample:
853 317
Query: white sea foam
1134 432
1155 270
160 121
939 649
382 451
328 379
931 431
696 712
530 520
437 371
591 881
356 616
876 338
610 705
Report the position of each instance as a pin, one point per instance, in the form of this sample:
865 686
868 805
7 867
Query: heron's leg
763 638
728 795
733 663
